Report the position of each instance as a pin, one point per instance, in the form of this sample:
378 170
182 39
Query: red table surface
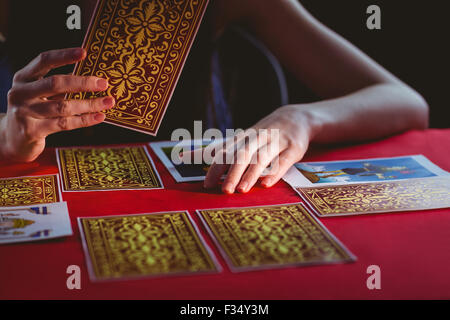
411 248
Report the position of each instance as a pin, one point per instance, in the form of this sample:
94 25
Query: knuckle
55 82
27 129
18 76
86 82
43 58
284 158
62 108
62 123
12 95
84 120
295 146
287 160
20 113
93 105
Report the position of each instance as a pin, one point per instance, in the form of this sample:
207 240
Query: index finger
47 61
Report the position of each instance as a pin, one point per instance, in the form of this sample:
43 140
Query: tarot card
181 172
391 196
23 191
314 174
32 223
107 168
140 46
271 237
144 245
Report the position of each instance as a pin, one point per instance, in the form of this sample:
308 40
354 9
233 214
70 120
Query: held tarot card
107 168
32 223
23 191
140 46
272 236
144 245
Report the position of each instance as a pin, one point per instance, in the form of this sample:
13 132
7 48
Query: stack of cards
371 185
31 209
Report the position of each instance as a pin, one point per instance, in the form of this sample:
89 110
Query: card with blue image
310 174
36 222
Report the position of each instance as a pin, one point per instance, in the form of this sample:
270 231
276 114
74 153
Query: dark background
412 44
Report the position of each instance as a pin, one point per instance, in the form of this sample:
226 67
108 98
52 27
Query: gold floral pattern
405 195
24 191
144 245
125 76
261 237
140 46
147 22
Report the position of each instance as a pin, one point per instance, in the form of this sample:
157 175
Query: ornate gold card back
24 191
140 46
107 168
157 244
272 236
391 196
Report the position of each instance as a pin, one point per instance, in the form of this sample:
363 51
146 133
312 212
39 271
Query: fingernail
227 189
243 187
108 102
267 183
99 117
78 53
102 84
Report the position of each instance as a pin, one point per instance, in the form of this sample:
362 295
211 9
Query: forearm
3 19
370 113
3 141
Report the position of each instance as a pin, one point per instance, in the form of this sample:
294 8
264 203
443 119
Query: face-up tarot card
315 174
32 223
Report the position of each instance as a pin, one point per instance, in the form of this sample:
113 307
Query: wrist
310 118
2 136
4 143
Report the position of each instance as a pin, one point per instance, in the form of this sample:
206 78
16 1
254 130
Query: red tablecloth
412 249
